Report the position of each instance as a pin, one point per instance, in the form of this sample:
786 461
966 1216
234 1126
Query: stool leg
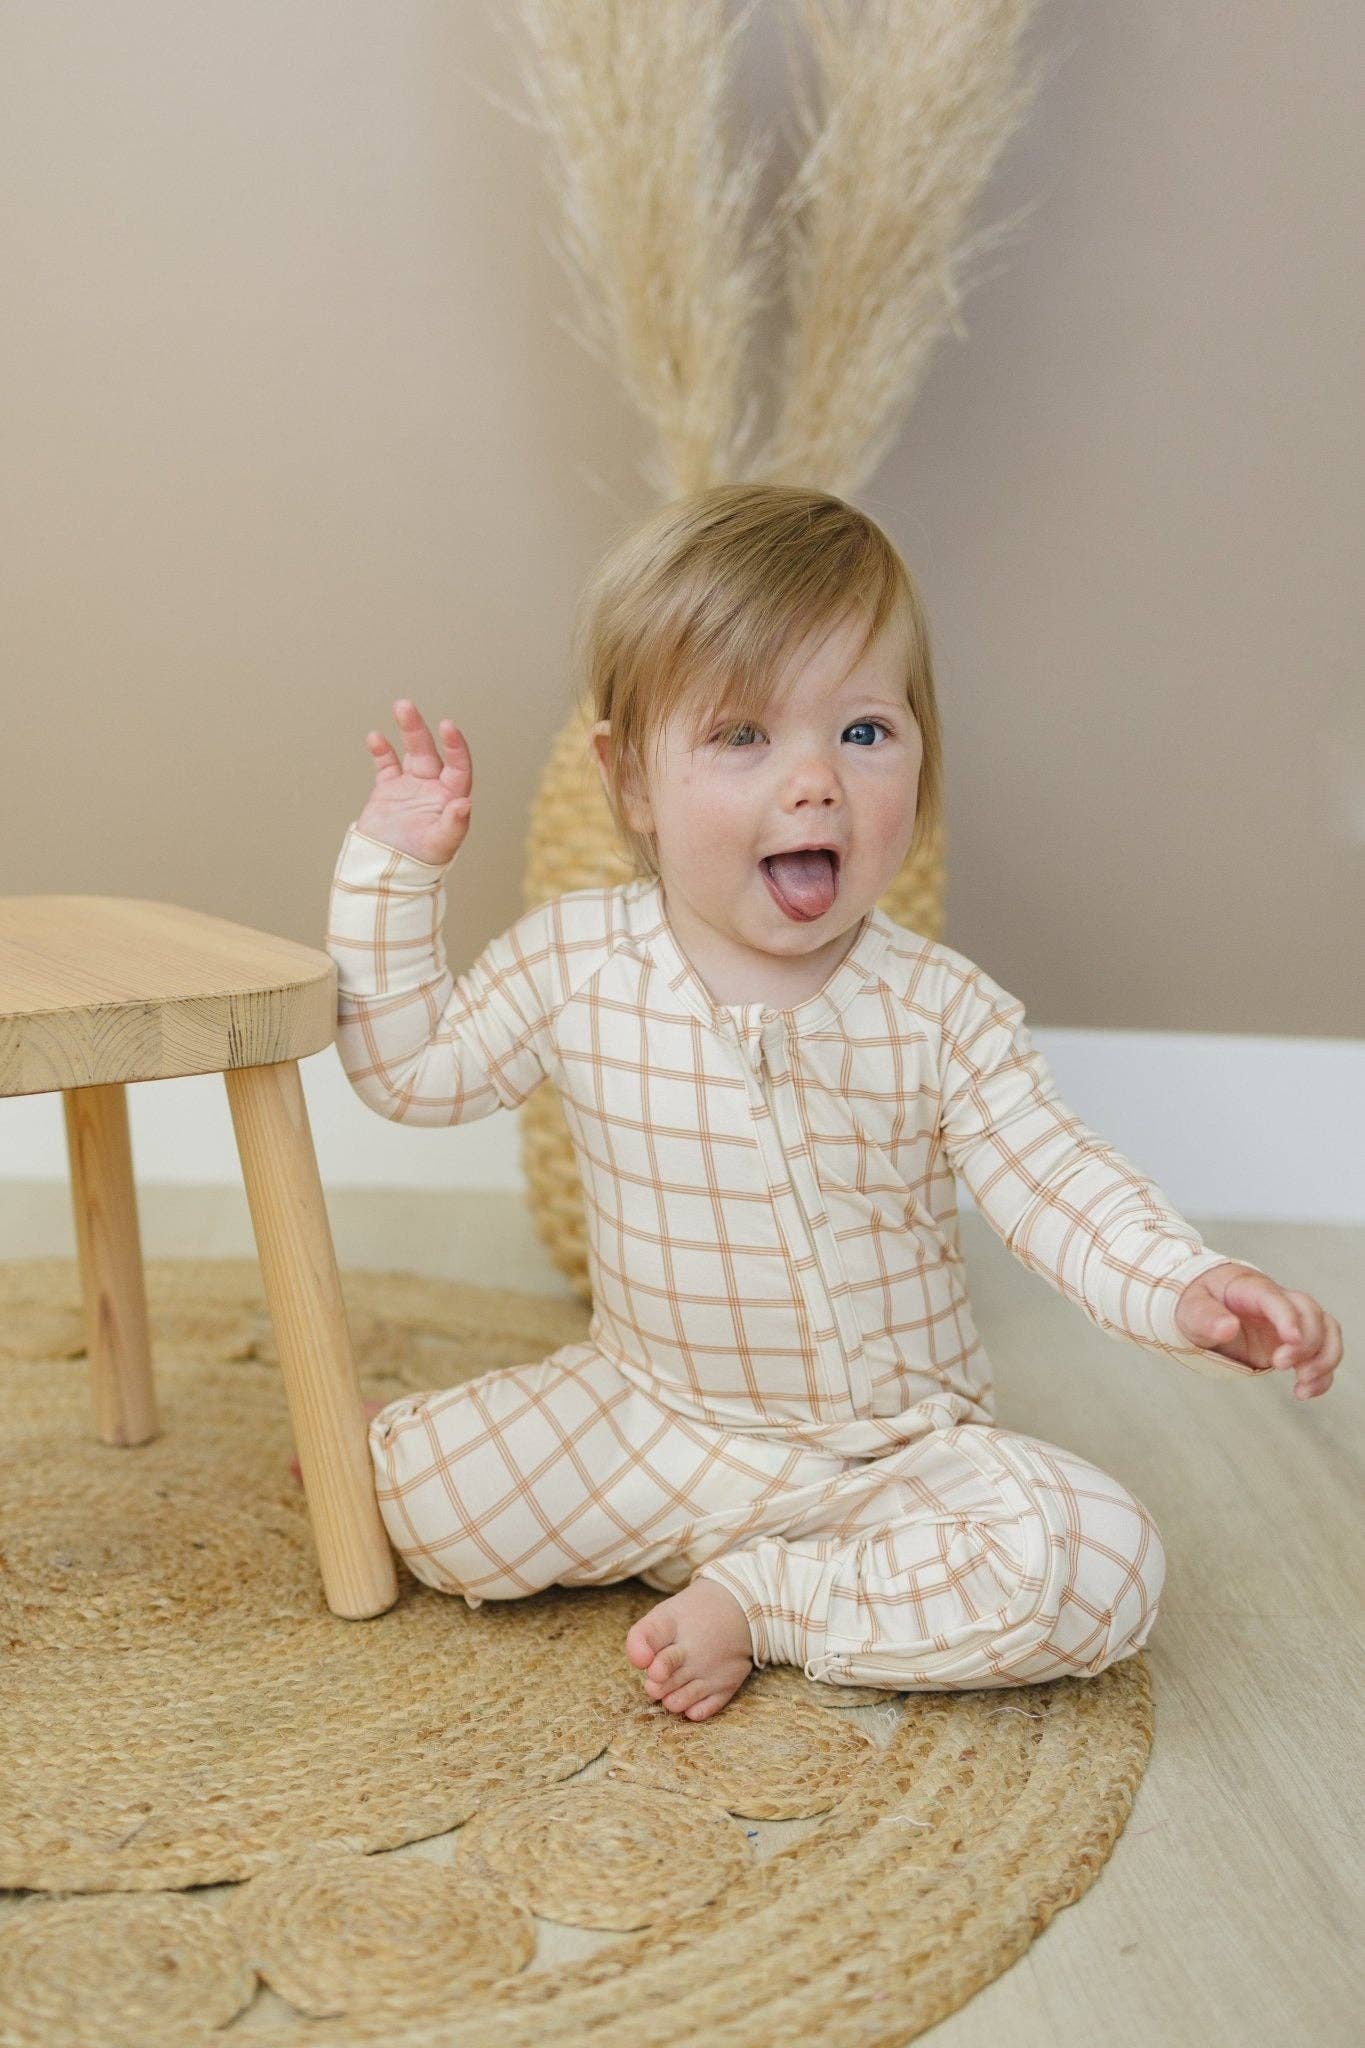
109 1250
303 1290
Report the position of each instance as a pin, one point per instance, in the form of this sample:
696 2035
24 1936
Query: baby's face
831 764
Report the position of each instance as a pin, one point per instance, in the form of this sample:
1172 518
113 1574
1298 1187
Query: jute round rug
178 1708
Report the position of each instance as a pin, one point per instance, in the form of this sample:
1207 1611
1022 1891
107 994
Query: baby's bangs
731 697
738 684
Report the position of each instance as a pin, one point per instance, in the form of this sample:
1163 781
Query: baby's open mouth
802 884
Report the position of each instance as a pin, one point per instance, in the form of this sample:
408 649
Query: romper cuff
1167 1337
363 859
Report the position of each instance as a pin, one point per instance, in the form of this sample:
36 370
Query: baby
782 1416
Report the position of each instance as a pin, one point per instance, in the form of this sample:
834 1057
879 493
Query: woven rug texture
228 1815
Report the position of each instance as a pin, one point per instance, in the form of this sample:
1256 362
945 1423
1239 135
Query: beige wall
290 430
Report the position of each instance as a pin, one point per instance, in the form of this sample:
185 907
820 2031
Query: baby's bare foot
694 1649
371 1408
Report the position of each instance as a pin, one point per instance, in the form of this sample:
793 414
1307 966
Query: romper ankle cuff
785 1597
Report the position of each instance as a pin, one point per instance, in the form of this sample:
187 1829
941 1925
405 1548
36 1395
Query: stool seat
99 991
119 988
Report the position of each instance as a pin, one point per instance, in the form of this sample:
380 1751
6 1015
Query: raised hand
419 805
1248 1316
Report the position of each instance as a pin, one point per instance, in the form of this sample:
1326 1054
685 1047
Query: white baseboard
1225 1125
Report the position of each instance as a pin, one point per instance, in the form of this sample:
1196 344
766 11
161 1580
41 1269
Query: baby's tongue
805 880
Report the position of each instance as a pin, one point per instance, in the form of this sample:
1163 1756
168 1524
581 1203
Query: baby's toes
702 1710
685 1696
663 1674
652 1633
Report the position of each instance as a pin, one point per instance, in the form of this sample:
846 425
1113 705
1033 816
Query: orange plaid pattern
779 1293
968 1556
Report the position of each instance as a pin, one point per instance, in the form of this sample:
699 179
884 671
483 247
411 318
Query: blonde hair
703 603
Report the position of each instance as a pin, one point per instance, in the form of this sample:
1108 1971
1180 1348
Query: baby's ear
598 740
636 815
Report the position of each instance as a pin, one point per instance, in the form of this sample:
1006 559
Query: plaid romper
782 1387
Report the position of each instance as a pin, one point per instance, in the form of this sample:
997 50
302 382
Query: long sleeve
1068 1205
418 1044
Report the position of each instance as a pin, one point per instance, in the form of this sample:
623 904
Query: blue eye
733 731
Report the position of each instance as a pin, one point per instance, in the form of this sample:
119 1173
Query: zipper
856 1387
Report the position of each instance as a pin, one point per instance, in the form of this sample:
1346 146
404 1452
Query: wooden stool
98 991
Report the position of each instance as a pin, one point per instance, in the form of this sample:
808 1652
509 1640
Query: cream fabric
969 1556
777 1277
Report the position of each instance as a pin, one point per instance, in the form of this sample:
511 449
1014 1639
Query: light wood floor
1231 1908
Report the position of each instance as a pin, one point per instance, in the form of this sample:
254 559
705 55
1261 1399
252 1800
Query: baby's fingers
1298 1350
1314 1375
1304 1342
458 773
421 758
386 762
